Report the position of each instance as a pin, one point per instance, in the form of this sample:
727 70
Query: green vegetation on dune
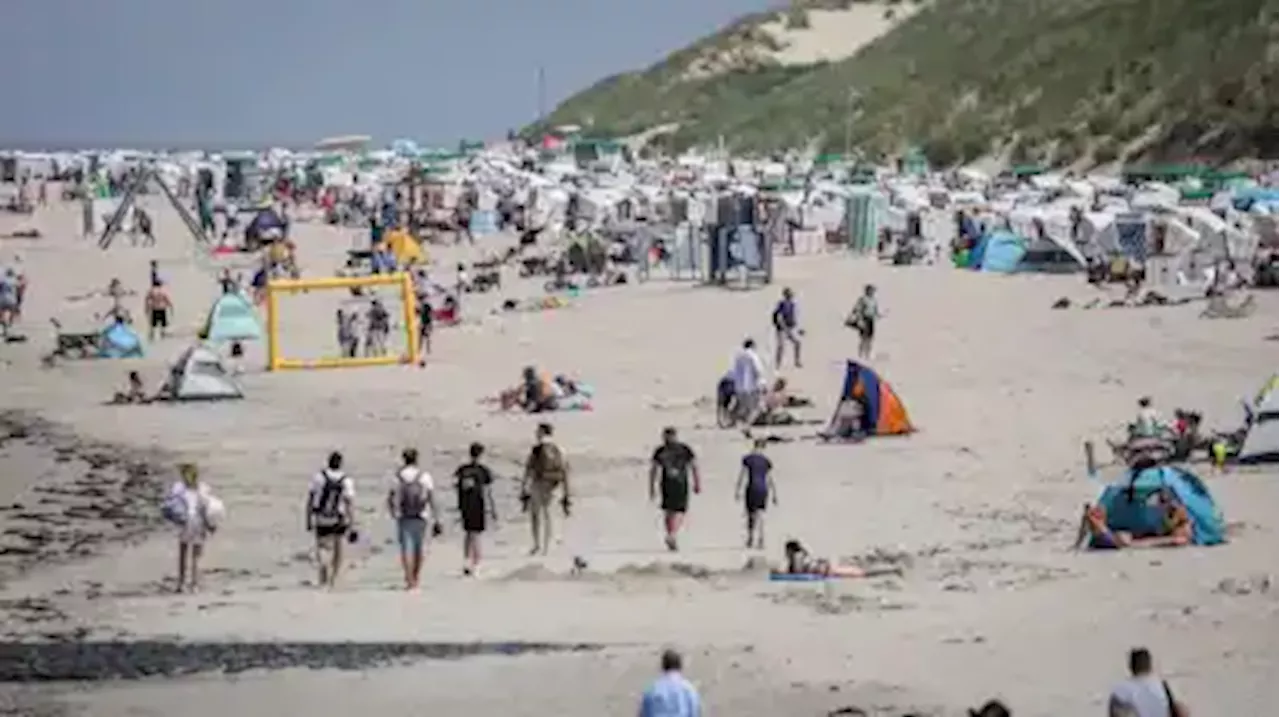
1045 80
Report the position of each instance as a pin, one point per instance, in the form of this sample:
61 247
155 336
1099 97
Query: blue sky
217 72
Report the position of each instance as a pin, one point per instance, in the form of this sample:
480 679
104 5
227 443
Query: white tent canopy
199 375
1262 437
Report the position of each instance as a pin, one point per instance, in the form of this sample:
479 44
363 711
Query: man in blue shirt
671 695
786 326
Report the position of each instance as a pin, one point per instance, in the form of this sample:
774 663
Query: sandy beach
978 508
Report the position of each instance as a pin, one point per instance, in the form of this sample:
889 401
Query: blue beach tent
119 340
232 318
998 251
1132 506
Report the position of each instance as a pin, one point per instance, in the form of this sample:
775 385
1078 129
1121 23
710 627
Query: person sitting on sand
777 399
1148 423
134 392
1176 528
1093 525
536 395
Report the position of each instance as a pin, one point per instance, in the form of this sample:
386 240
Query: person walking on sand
411 501
670 468
545 471
191 507
474 483
756 477
786 328
331 516
143 222
671 695
8 300
863 318
748 381
1144 694
158 307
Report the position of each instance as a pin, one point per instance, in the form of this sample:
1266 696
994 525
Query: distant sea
162 145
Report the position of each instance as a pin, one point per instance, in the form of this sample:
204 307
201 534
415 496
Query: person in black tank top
474 483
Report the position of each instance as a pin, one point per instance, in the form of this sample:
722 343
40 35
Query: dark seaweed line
27 662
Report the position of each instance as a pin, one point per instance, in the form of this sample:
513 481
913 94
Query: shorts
411 533
867 329
328 540
159 319
473 521
675 499
756 500
748 404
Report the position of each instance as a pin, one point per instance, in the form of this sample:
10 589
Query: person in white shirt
1144 694
411 502
331 516
1148 423
192 508
748 380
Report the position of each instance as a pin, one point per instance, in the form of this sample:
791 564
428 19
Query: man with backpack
331 516
545 470
412 503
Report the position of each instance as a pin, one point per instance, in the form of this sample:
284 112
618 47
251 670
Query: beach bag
548 464
214 511
174 509
412 494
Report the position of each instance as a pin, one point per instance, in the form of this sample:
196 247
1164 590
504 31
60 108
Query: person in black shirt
755 489
474 484
673 463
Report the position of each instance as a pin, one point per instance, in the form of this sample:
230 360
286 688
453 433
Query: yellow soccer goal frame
276 287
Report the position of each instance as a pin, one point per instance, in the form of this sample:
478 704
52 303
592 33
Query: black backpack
327 510
413 496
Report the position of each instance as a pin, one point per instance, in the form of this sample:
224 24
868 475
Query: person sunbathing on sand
798 561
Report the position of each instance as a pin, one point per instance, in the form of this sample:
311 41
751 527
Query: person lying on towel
798 561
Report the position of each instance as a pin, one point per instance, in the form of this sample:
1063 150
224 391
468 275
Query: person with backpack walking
331 516
757 479
412 504
474 483
672 464
545 471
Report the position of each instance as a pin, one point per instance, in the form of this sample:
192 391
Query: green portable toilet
914 163
862 219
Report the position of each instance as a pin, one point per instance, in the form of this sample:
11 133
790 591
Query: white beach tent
1262 436
199 375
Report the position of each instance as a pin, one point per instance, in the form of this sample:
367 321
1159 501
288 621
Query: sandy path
982 500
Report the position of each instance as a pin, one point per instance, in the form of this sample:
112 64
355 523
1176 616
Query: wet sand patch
68 498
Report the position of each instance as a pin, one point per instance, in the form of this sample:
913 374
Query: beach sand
978 507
